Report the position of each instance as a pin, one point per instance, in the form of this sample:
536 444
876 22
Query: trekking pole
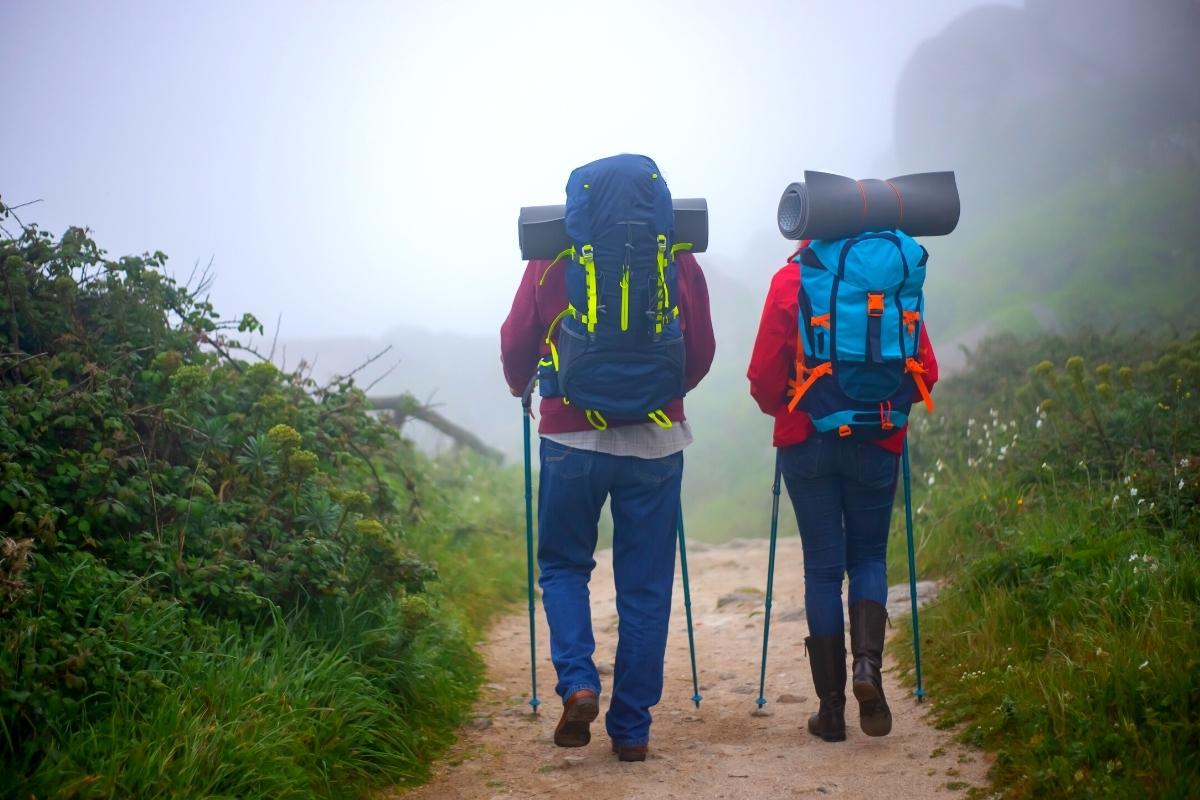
912 571
526 413
762 675
687 607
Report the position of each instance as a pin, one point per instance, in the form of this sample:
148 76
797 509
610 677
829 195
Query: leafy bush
207 562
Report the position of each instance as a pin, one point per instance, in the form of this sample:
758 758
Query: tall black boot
868 620
827 658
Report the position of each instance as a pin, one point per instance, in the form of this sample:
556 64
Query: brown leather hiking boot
630 752
827 659
578 712
868 621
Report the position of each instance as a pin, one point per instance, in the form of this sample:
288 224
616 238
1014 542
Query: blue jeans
842 493
572 488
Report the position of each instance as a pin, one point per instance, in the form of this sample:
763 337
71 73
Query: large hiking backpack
616 350
858 369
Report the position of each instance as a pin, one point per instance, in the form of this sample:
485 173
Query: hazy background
358 168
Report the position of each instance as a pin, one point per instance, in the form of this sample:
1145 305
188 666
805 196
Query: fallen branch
405 406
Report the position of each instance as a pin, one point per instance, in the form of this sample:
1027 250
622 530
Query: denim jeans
645 504
842 492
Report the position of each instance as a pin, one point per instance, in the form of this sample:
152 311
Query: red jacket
537 303
774 356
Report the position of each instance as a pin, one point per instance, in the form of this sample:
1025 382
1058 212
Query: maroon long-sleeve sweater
538 302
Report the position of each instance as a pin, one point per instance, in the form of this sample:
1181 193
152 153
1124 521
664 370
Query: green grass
1067 641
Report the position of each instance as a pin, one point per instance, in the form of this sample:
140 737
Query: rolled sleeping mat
829 206
543 234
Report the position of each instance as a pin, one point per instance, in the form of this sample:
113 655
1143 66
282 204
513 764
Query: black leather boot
827 658
868 621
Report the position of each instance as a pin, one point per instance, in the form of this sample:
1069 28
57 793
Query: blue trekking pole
687 607
912 571
526 413
762 675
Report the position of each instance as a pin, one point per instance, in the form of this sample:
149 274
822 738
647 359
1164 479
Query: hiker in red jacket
842 490
639 466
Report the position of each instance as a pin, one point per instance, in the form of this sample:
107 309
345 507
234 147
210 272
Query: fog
357 169
353 167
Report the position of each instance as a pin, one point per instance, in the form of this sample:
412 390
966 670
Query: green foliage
216 578
1062 500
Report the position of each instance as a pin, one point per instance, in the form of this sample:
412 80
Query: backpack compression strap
914 368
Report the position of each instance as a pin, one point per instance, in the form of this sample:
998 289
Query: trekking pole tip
696 698
761 701
535 703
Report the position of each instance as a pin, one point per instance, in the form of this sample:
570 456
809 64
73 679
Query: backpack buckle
874 304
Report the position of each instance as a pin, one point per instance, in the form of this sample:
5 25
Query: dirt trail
720 750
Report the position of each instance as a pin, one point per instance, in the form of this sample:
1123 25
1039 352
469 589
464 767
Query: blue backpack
861 311
619 350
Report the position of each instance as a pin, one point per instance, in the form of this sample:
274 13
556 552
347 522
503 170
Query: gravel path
721 750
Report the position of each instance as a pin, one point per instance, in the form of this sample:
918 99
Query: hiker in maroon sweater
639 466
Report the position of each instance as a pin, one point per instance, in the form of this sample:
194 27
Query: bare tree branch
405 406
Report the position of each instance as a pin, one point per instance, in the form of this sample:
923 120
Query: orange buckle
844 431
821 319
911 318
874 304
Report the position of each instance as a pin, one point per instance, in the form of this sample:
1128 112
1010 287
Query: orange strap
911 318
813 375
914 368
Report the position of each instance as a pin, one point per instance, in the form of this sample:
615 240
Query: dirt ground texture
721 750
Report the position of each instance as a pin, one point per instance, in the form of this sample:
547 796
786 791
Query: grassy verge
1062 501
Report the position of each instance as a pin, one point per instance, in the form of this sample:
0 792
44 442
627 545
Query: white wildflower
1185 463
1181 484
1045 465
1039 424
1127 480
930 481
1116 499
1133 491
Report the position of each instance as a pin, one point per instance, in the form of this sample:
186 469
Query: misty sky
357 166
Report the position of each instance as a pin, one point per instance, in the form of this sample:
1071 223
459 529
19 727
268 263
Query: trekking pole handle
527 395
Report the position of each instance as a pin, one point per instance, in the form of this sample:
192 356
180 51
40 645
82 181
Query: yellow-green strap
570 251
675 248
589 266
596 419
659 418
569 310
625 300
